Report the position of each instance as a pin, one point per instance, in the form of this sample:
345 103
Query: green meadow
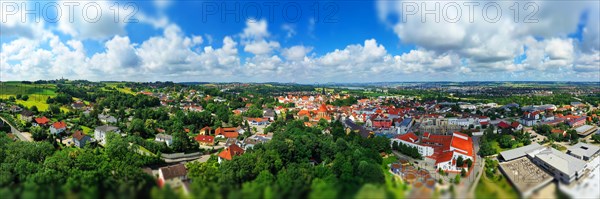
38 93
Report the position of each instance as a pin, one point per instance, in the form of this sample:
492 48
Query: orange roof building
42 120
230 152
227 132
206 140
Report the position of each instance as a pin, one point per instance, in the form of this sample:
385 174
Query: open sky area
300 41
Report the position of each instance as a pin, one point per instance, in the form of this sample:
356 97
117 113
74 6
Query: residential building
40 121
107 119
206 131
78 105
226 132
80 139
255 139
258 121
405 125
167 139
26 115
205 140
531 118
173 175
101 132
577 122
230 152
58 127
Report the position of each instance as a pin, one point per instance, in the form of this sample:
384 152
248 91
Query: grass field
38 94
86 130
8 89
489 188
123 90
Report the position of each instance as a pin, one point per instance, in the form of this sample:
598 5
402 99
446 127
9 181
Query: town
263 140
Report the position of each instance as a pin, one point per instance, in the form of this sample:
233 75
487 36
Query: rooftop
561 161
520 152
583 149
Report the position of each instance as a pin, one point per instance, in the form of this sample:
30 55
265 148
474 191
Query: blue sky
300 41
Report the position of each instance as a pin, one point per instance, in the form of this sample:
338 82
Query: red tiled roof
409 137
78 135
257 119
59 125
232 150
444 157
323 108
42 120
515 124
503 125
204 138
222 130
462 142
231 134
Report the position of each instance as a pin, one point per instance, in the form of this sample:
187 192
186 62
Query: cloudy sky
301 41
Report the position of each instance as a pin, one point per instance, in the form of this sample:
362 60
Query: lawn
496 145
41 105
86 130
488 188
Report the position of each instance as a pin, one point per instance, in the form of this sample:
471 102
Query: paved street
16 132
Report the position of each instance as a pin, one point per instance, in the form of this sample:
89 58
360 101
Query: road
16 132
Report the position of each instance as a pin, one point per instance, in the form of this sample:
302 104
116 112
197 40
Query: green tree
38 134
459 161
469 163
596 138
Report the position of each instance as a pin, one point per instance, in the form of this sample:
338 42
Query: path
16 132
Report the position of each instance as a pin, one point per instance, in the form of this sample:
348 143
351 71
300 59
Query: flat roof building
583 151
564 167
525 176
586 130
520 152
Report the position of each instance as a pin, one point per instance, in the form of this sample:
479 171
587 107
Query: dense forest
299 162
40 170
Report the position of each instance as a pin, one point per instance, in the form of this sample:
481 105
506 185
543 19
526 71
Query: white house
58 127
161 137
101 131
107 118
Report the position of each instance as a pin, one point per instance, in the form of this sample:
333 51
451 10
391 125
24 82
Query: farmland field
38 94
123 90
33 90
